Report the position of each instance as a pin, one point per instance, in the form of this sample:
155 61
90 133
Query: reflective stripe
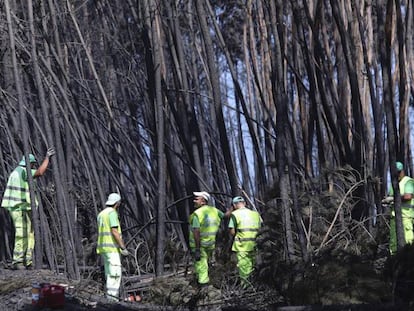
248 230
112 245
106 241
209 219
16 199
17 190
246 239
246 224
207 243
207 233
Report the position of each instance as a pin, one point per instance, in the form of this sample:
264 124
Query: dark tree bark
283 116
217 102
385 36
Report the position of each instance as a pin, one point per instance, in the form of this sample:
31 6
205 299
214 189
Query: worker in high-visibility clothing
111 245
244 226
204 224
16 200
406 185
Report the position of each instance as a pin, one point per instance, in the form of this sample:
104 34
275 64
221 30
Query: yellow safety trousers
24 237
201 266
113 274
407 220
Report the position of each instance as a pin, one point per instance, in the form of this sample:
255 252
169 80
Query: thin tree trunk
391 122
25 131
215 86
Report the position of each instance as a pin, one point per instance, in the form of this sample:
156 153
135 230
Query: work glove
50 152
124 252
197 255
388 200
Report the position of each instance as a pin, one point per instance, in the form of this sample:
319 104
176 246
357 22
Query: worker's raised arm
43 167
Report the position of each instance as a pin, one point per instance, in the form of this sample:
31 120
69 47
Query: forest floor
171 293
334 285
16 290
16 287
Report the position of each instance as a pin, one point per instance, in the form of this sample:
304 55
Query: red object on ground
134 297
50 296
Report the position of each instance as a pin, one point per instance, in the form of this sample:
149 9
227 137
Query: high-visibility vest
106 241
246 224
401 185
17 190
209 219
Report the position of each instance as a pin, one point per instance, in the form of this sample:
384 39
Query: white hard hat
113 198
202 194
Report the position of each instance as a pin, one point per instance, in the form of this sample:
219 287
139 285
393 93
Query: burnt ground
329 285
174 292
16 286
86 294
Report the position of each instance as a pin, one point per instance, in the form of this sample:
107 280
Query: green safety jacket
17 192
106 241
246 224
209 218
401 185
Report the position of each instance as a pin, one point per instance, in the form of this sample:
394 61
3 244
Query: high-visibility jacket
106 241
209 219
246 224
17 190
401 185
